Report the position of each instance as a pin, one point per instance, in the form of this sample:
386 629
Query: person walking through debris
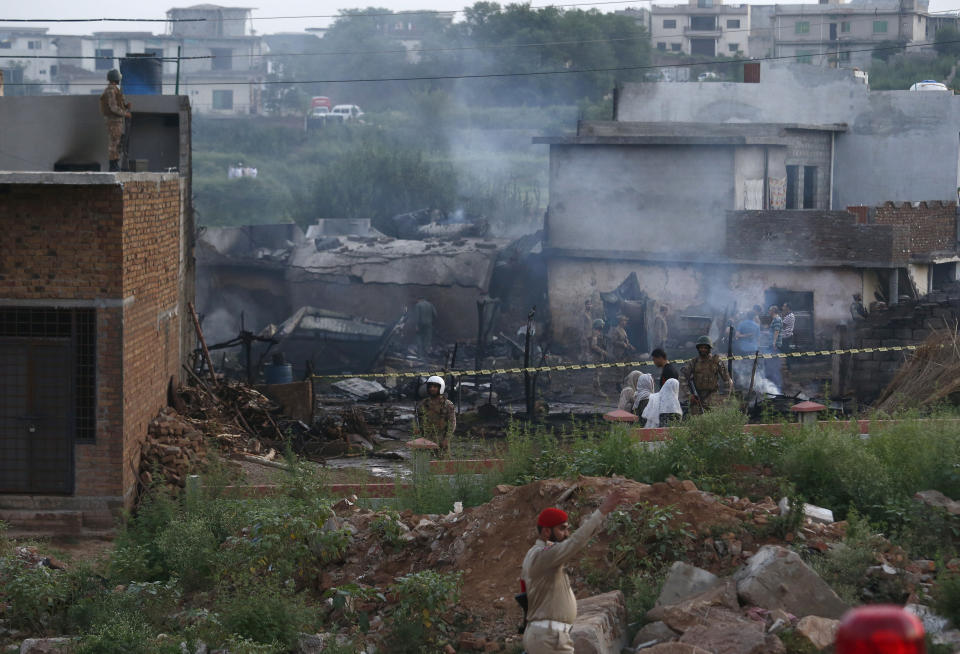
663 409
644 390
424 315
596 352
551 604
660 329
620 345
789 324
586 330
772 367
857 310
114 108
702 374
667 369
436 417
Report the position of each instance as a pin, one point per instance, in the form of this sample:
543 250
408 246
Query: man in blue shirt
745 341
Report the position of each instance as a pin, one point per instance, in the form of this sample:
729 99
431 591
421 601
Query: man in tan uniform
620 345
114 108
551 604
706 370
436 415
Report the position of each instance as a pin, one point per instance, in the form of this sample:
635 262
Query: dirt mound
488 542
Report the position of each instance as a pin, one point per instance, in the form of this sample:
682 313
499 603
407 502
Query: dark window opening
104 59
661 45
223 100
79 328
222 58
793 180
733 24
704 47
670 23
675 47
703 23
809 187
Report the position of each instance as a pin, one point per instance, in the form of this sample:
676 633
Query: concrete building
95 273
721 196
844 33
19 49
222 69
706 28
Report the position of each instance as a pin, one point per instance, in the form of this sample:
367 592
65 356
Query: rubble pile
485 541
174 448
930 376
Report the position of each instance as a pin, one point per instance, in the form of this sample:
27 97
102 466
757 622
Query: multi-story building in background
845 33
221 66
701 27
20 48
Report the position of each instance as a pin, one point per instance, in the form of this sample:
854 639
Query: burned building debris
721 196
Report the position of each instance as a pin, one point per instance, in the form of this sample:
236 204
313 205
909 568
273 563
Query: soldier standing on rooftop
114 108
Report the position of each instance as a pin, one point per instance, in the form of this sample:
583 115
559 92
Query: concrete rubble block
776 578
932 623
718 602
685 581
937 499
811 511
732 638
820 632
674 648
601 626
654 632
46 646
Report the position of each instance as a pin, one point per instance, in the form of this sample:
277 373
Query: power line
423 12
498 46
564 71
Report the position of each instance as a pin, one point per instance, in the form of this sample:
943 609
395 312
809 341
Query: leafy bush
844 567
946 596
39 598
266 614
418 622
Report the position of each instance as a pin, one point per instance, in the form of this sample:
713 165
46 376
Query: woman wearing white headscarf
664 407
644 391
629 390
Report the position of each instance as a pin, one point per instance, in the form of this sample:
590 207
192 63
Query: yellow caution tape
599 366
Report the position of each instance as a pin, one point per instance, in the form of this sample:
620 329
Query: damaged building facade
721 196
96 271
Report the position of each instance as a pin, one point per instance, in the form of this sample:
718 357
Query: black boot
114 165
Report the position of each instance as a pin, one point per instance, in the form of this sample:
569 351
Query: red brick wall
151 322
933 225
120 245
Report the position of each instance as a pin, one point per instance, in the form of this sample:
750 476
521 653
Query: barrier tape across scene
614 364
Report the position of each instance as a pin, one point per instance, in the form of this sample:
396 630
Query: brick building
95 273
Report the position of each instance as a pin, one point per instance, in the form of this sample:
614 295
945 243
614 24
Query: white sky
158 8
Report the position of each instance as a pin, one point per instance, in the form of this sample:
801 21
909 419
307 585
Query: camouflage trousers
115 136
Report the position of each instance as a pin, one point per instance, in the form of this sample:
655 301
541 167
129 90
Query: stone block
732 638
820 632
674 648
656 632
685 581
777 578
601 626
46 646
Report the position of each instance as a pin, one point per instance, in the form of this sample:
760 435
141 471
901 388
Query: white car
346 113
929 85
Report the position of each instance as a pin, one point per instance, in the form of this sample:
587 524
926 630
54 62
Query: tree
947 41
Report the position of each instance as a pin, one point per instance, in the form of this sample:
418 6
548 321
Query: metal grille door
36 416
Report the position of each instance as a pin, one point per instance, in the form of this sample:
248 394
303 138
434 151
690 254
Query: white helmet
437 380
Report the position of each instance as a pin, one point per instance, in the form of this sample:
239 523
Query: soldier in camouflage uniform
706 370
114 108
436 416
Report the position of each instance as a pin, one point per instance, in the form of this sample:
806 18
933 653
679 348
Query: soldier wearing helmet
114 108
436 415
705 371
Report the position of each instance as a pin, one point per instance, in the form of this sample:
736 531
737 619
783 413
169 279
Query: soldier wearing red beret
551 604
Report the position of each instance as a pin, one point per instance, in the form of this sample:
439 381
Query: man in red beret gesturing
551 604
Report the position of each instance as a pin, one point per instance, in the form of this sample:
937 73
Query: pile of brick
174 448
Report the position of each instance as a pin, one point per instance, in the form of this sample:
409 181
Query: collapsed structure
725 195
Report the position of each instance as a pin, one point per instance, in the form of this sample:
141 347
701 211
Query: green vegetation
898 73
